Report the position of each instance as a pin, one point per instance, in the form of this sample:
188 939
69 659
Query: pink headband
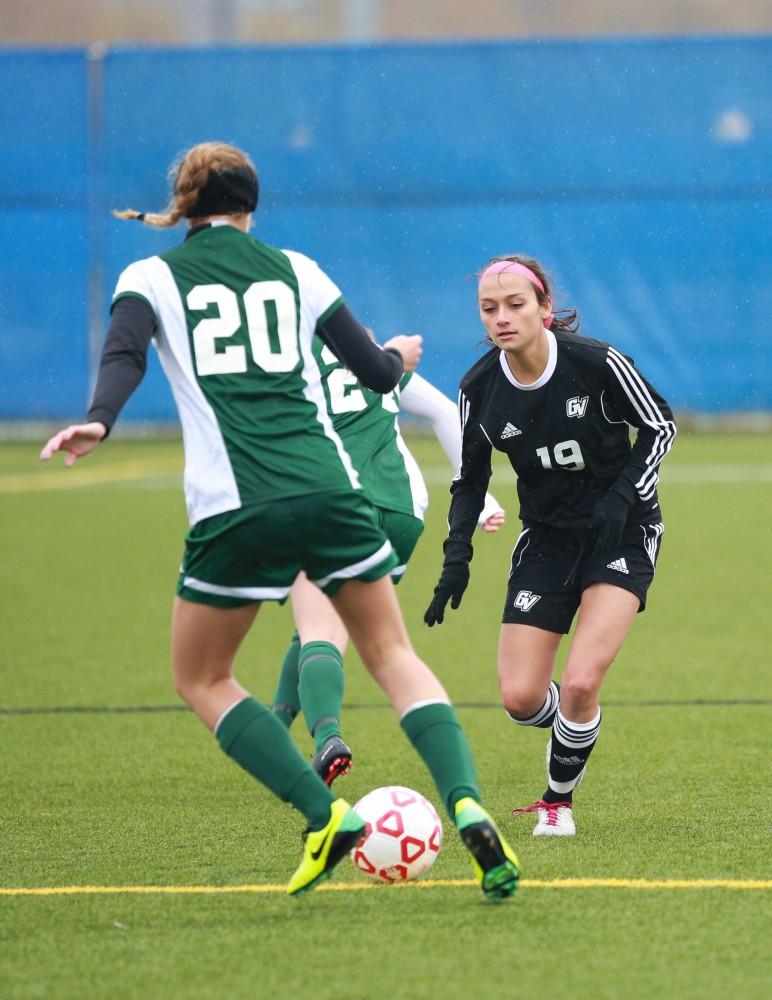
513 267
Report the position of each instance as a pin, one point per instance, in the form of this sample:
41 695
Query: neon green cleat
324 848
495 864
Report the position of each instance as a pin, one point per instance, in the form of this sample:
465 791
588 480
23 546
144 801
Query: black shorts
544 558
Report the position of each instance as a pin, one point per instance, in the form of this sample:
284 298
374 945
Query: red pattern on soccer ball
403 834
390 823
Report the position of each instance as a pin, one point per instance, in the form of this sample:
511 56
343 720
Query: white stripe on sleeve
651 415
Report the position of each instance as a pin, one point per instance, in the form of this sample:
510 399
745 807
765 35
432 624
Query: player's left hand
410 347
494 522
608 521
492 515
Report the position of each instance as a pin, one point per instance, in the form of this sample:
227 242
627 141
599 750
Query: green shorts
403 531
255 553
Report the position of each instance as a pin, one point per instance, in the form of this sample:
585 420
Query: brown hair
564 320
188 177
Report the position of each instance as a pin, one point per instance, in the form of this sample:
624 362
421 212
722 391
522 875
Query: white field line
557 883
716 474
144 474
436 475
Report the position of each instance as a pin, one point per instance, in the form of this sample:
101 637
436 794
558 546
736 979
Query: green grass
676 788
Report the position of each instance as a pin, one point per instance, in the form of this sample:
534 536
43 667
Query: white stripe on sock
422 704
548 707
562 787
227 712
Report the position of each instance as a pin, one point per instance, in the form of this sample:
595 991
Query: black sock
572 744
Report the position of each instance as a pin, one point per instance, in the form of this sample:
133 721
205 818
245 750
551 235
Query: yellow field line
557 883
67 479
140 469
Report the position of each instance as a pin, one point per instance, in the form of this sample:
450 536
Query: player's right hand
494 522
608 521
410 347
452 584
77 440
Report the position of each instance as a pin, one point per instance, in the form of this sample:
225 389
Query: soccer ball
402 837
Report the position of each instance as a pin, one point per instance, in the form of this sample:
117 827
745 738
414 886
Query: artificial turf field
107 782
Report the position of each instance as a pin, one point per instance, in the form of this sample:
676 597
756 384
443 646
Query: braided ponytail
209 164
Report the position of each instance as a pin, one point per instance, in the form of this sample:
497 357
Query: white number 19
566 453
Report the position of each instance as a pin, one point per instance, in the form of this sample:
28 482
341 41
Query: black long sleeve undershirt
348 340
133 325
124 358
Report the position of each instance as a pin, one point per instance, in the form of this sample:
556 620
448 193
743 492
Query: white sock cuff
581 726
563 787
227 712
422 704
576 735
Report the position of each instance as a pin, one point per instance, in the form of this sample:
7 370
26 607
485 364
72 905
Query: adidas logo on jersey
619 565
510 431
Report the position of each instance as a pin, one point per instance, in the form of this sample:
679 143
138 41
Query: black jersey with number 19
566 435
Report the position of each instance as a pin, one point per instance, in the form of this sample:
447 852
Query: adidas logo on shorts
619 565
510 431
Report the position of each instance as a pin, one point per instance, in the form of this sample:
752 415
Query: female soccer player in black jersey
558 405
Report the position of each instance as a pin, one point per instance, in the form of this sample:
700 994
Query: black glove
608 521
453 580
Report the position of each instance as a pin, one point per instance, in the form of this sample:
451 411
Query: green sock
436 734
321 689
286 701
256 740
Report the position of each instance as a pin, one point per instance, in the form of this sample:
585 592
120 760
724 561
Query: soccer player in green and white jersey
311 678
270 491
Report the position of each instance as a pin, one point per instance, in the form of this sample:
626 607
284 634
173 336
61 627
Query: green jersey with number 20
235 336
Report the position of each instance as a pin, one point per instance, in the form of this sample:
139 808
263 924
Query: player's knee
520 702
190 688
579 690
387 654
184 688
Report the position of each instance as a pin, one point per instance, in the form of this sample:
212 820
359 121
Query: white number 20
232 359
566 453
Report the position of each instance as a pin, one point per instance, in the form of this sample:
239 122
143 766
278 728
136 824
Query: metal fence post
95 59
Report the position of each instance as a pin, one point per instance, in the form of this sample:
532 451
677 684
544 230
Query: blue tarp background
638 171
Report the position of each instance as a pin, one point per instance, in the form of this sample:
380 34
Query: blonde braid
188 176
